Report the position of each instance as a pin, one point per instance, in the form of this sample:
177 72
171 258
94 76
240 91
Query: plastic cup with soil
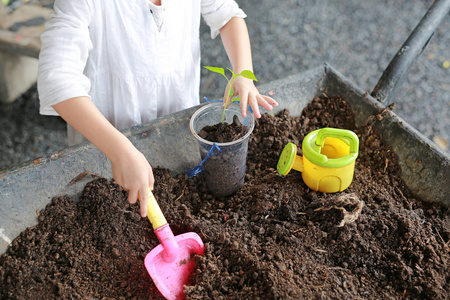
224 169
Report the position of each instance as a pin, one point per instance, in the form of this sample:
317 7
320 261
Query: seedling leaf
236 99
216 70
230 93
249 75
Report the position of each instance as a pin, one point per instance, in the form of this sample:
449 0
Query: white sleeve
64 52
217 13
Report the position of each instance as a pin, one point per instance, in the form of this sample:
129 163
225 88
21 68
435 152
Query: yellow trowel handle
154 213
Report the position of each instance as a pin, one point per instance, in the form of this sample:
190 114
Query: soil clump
273 239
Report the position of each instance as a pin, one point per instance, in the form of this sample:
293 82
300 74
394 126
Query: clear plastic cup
224 170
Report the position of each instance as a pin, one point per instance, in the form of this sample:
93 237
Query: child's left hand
250 95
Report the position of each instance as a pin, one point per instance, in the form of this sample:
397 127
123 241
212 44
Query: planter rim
207 106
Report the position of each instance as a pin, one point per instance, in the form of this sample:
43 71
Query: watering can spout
298 164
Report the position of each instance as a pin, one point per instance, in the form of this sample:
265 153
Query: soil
224 132
229 159
274 239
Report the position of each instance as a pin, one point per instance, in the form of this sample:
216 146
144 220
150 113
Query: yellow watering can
328 161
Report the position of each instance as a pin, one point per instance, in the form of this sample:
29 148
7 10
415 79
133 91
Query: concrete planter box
167 142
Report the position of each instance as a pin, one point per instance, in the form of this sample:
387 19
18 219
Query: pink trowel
171 263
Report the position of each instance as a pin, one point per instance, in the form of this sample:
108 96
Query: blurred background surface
357 37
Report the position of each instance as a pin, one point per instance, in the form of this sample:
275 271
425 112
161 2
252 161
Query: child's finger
244 103
262 101
143 199
132 196
270 100
151 179
254 105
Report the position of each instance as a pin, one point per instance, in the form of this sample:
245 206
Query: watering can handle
401 63
154 213
349 136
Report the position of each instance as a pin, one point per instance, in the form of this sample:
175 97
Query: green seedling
246 74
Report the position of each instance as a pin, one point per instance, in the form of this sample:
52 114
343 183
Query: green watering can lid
315 140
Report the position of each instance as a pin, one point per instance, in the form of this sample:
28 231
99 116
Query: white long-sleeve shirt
113 52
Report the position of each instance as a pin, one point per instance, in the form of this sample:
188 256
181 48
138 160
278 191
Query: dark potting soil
274 239
230 160
224 132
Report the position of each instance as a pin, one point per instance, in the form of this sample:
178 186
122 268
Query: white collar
158 12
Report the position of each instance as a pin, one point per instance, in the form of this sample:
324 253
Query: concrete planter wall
167 142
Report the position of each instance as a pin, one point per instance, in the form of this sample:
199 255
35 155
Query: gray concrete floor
356 37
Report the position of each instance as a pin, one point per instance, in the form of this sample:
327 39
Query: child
106 65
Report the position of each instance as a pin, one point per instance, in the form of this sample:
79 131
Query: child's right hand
132 171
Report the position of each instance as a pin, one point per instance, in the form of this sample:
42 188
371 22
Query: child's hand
246 89
130 168
133 172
